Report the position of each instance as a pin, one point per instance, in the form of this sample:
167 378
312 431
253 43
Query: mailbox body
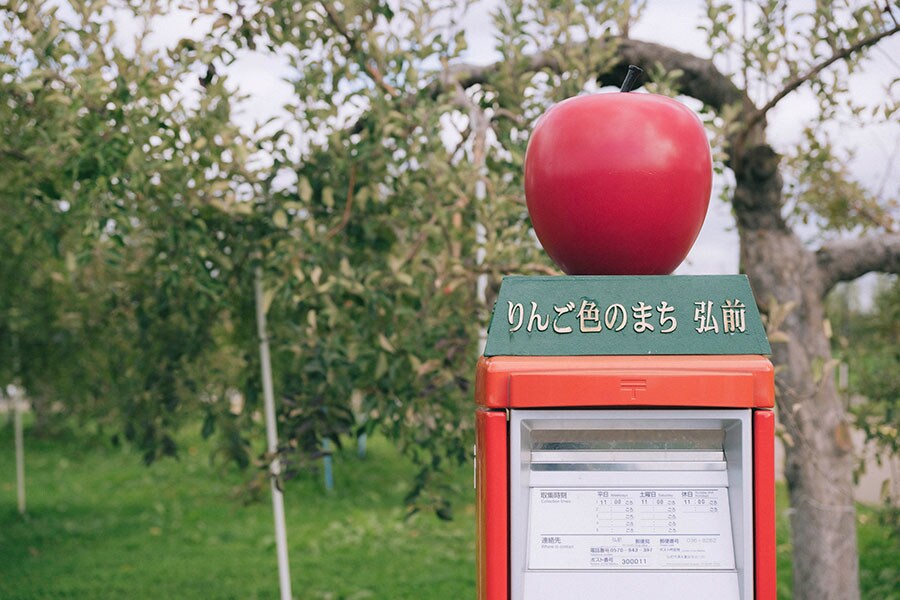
565 445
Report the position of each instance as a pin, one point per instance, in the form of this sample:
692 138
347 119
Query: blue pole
329 474
361 445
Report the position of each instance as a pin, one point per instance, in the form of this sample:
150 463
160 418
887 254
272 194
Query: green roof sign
667 314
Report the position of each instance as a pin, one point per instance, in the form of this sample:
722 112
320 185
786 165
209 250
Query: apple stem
634 73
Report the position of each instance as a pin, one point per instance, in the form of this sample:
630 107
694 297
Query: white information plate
616 528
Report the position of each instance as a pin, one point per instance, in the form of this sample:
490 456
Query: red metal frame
492 516
740 381
504 382
764 503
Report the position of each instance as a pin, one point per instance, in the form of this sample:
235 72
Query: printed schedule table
616 528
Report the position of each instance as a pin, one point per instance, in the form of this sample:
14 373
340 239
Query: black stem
631 78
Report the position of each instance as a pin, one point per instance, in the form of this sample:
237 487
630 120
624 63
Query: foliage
405 193
872 362
111 171
874 367
772 48
384 207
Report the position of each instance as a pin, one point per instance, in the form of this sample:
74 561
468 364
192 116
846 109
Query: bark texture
844 260
790 285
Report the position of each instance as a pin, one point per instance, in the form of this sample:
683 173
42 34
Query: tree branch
13 153
701 78
460 204
890 11
801 79
348 205
845 260
524 269
367 63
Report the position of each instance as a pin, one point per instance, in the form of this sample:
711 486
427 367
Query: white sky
670 22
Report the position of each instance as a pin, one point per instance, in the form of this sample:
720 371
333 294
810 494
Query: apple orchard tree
388 203
119 270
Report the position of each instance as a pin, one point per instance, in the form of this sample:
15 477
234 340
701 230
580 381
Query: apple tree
402 183
115 185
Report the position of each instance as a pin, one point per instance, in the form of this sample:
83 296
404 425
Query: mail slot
601 500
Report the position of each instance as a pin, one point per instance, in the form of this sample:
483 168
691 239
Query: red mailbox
624 432
625 441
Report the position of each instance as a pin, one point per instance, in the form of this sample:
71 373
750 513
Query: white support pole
480 254
15 392
284 575
20 448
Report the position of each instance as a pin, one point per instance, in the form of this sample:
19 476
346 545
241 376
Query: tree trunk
819 451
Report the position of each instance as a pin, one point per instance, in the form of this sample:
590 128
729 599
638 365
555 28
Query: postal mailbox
624 441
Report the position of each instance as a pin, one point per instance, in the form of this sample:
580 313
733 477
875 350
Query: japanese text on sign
590 316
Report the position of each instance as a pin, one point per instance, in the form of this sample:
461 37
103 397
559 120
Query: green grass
101 525
879 565
879 568
782 544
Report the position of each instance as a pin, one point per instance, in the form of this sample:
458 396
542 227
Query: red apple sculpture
618 183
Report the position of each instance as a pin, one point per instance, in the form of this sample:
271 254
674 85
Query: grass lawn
879 553
101 525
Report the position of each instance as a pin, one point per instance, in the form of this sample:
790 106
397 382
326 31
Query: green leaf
304 189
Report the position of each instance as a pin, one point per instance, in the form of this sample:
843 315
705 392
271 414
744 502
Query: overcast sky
670 22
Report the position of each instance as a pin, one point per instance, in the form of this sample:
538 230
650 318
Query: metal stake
15 394
20 450
284 574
